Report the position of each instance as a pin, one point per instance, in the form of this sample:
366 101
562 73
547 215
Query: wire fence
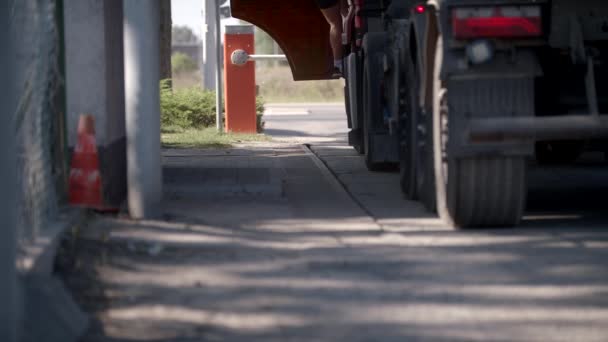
38 133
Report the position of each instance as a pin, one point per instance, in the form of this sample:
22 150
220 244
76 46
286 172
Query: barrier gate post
239 81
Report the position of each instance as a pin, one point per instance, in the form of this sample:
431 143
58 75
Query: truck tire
347 105
408 114
352 92
476 191
424 156
373 104
360 147
371 94
354 135
425 160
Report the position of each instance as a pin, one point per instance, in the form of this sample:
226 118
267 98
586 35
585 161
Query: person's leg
344 7
334 18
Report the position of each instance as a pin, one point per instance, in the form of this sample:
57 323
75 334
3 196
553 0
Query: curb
37 257
335 183
326 172
49 311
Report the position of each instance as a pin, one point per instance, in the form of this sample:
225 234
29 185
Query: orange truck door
298 27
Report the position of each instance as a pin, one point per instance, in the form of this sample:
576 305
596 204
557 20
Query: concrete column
141 46
209 46
9 292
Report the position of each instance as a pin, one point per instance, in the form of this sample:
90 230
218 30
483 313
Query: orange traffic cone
85 179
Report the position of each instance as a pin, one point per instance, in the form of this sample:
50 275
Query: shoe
336 74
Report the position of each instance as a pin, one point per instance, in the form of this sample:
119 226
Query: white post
209 52
9 291
141 49
218 73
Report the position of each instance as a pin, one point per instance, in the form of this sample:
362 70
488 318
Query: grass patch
205 138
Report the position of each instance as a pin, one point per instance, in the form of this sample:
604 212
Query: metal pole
142 105
218 71
276 58
209 51
9 290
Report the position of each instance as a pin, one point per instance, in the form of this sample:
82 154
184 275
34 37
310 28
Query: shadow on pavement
308 265
246 284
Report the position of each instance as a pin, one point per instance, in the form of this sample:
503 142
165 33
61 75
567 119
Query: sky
189 13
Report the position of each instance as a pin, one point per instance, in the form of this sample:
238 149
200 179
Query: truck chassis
461 94
462 108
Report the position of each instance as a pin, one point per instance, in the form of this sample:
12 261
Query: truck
460 94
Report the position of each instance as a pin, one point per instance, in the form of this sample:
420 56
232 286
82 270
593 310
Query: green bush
192 108
185 108
182 63
259 109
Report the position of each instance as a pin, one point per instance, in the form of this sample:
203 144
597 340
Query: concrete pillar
209 48
141 46
9 292
95 85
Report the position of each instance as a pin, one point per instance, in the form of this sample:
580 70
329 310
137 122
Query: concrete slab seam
335 183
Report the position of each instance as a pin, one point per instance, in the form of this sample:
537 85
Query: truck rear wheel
358 101
476 191
424 156
373 108
352 96
347 105
408 114
368 111
425 161
354 138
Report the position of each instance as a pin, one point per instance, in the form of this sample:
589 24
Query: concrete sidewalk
261 211
260 182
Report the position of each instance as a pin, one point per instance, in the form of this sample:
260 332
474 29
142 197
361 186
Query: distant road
306 121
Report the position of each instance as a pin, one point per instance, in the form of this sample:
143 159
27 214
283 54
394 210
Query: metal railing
241 57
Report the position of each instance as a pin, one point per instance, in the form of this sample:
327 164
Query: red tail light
497 22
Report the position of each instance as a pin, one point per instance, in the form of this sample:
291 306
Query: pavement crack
335 181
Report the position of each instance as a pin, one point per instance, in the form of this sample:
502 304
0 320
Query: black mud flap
354 137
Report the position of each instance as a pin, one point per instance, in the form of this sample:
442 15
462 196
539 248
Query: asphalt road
306 123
